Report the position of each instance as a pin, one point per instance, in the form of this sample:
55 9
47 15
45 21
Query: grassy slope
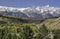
15 28
53 23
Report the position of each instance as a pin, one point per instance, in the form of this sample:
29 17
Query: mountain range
31 12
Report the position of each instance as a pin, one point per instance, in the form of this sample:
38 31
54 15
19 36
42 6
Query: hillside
53 23
28 28
50 22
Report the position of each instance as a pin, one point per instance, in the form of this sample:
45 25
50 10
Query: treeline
23 20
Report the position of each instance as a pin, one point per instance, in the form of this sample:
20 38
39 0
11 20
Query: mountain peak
47 5
34 12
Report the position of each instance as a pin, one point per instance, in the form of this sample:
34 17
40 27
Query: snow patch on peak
40 11
47 6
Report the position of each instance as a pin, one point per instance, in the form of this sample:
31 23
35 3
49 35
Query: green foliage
17 30
26 31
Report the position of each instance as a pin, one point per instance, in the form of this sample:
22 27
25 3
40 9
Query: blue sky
29 3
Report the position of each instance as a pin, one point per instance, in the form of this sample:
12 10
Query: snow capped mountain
31 12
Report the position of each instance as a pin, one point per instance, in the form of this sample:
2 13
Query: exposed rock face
31 12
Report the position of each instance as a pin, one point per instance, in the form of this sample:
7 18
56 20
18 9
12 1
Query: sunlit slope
53 23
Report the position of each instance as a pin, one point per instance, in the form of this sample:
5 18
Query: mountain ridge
31 12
